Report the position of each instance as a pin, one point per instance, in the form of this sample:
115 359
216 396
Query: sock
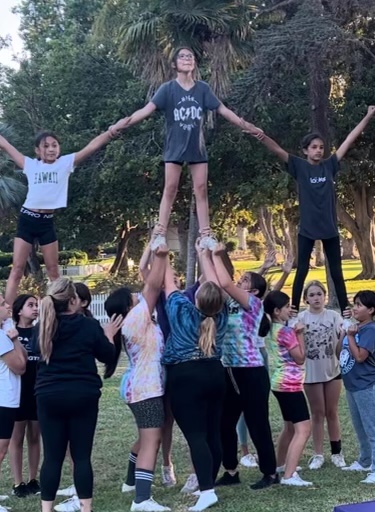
336 447
143 482
206 499
130 478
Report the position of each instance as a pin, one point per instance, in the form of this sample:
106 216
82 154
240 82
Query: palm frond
12 193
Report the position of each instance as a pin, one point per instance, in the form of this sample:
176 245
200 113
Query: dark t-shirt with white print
359 376
317 198
184 111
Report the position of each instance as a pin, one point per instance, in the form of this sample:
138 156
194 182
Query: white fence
97 307
80 270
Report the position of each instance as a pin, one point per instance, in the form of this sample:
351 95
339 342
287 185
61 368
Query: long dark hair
83 293
19 303
274 300
118 303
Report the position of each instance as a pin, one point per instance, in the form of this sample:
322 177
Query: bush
6 259
4 272
232 244
73 258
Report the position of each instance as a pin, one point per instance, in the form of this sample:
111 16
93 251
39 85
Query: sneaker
20 490
281 469
191 484
295 480
316 461
167 475
228 479
206 500
33 487
68 491
338 460
149 505
249 461
208 242
370 479
157 241
356 466
4 509
70 505
265 482
127 488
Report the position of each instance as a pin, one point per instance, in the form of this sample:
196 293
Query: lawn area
351 268
115 434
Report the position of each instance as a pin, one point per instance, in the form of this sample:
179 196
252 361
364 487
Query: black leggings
248 391
196 390
67 418
333 253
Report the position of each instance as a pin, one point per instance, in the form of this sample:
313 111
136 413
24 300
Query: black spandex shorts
7 418
36 226
293 406
27 410
149 413
188 163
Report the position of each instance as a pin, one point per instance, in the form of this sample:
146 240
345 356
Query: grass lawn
116 431
351 268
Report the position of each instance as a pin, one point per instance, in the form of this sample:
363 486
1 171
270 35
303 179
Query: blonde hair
59 294
313 283
210 301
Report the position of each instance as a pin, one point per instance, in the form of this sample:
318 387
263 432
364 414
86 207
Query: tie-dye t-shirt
288 376
144 345
240 348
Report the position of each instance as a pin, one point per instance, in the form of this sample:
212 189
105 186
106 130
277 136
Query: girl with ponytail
68 387
195 375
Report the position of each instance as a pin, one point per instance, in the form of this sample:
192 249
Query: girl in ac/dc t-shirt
25 312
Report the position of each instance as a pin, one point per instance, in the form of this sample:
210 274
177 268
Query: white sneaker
338 460
70 505
316 461
4 509
167 476
295 480
208 242
356 466
127 488
191 484
249 461
68 491
206 500
370 479
149 505
281 469
157 241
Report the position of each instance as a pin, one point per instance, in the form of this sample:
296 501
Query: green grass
116 431
351 268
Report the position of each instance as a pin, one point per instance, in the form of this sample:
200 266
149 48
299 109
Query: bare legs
16 449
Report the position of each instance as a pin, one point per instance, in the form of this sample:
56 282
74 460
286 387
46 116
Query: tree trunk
183 242
33 266
319 254
362 226
191 271
121 261
348 248
241 235
264 224
292 220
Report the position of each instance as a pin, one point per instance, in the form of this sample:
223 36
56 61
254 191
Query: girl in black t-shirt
25 312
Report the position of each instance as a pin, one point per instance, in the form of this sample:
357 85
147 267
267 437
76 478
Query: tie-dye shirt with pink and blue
240 347
288 376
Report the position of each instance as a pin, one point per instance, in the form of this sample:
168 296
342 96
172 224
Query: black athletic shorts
188 163
7 419
27 410
36 226
293 406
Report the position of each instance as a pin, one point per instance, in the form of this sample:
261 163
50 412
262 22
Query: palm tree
146 35
12 191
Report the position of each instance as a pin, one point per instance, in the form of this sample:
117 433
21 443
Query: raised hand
371 110
270 259
352 330
116 129
219 249
252 129
299 328
162 250
112 327
288 263
12 334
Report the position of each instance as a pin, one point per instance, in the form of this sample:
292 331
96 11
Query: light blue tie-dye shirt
240 347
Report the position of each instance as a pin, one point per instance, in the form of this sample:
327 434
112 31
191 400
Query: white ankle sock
206 499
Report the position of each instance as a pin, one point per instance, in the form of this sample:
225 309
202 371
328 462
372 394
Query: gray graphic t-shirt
317 198
184 112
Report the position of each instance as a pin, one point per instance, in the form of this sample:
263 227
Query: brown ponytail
207 336
210 301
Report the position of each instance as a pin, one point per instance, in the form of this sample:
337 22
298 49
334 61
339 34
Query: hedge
73 257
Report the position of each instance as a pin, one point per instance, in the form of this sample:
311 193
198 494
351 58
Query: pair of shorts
188 163
338 377
27 410
36 226
293 406
149 413
7 419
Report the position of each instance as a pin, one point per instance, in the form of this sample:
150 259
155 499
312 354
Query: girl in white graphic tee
48 177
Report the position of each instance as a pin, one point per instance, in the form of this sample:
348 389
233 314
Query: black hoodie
72 368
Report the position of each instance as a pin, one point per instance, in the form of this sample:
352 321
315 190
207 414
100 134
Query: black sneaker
265 482
228 479
21 490
33 487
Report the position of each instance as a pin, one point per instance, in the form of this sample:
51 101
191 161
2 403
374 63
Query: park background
289 66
